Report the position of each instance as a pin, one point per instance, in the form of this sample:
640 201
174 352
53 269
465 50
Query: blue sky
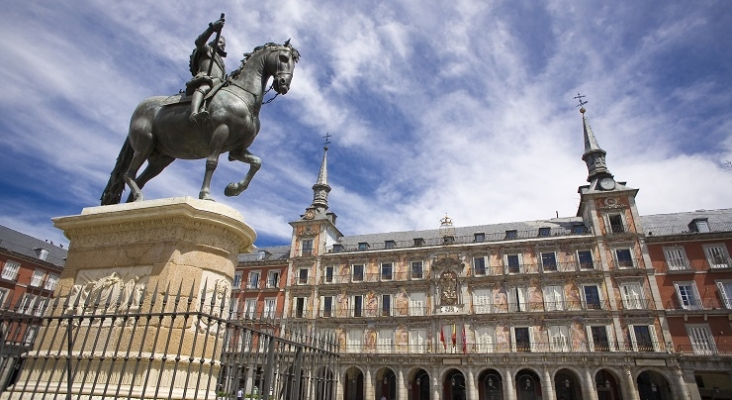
463 107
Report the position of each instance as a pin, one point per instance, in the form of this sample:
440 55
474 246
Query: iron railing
556 346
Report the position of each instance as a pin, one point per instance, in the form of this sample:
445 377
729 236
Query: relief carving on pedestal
107 290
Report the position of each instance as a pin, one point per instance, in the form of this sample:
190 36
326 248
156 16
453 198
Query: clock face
310 214
607 184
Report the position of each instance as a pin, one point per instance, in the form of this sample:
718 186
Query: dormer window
579 229
544 232
419 242
512 234
448 239
337 248
479 237
363 246
699 225
389 244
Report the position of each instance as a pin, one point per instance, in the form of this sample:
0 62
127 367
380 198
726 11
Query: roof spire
321 187
594 156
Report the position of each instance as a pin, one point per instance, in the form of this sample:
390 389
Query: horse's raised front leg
243 155
219 137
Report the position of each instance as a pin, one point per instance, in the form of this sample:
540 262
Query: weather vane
581 102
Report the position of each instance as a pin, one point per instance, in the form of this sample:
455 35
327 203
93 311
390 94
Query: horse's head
280 64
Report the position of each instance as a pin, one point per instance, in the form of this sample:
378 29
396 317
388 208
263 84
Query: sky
463 108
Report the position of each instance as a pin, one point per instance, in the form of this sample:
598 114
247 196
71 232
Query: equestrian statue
217 114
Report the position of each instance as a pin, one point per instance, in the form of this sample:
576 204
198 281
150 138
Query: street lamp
386 380
653 387
566 383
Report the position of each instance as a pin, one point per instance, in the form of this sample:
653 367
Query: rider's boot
196 115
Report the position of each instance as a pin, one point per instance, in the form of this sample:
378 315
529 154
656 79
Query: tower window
616 223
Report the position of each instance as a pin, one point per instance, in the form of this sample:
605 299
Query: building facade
566 308
29 271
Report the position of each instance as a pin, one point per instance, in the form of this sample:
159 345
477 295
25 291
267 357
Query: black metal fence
159 344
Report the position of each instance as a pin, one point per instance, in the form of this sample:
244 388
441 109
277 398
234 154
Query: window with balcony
389 244
386 271
548 261
633 297
253 282
354 339
559 340
725 293
485 339
584 257
237 280
4 294
600 338
307 247
51 282
328 275
250 308
37 278
517 299
553 298
615 221
513 263
326 306
270 307
386 310
717 256
417 304
688 295
479 266
40 306
482 301
300 307
643 338
417 341
675 258
624 258
357 306
10 270
417 270
357 272
702 341
302 276
273 279
26 304
385 341
591 297
30 335
522 339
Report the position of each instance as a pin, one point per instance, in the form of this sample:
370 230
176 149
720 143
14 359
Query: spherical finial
582 110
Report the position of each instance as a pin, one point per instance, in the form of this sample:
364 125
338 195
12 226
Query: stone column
630 391
436 387
369 389
509 385
401 386
472 391
339 387
547 387
137 259
589 390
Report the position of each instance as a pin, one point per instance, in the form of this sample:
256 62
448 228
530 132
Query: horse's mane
266 46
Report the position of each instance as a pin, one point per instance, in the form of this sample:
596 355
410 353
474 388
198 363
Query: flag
442 338
465 342
454 335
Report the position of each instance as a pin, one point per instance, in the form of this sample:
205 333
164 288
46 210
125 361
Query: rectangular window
624 258
591 298
328 278
417 270
701 339
559 339
355 340
676 258
545 232
522 339
716 255
357 270
4 294
270 305
358 306
385 341
363 246
725 293
37 277
633 298
30 336
616 223
513 261
687 295
600 339
417 341
273 279
548 261
253 280
484 339
482 301
40 307
385 305
237 280
302 276
418 242
337 248
479 237
585 259
479 266
643 338
579 229
10 270
326 306
307 247
416 304
26 304
699 225
389 244
386 271
512 234
250 308
51 282
516 299
553 298
300 307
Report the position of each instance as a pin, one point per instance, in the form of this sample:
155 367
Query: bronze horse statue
160 129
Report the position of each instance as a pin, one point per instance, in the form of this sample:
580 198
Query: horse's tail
116 185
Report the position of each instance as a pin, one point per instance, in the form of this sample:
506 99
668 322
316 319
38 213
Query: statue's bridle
280 74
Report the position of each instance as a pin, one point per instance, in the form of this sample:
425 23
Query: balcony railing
699 304
447 347
708 349
468 239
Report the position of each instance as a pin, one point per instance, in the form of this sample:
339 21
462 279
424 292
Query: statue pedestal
142 301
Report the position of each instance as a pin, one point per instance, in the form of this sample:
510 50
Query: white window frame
417 303
701 339
37 278
725 293
676 259
482 300
354 340
520 263
237 279
385 341
353 272
485 339
327 312
651 332
541 259
270 274
250 308
592 259
418 341
633 261
532 341
10 270
517 300
51 282
481 259
270 307
717 255
553 298
40 306
688 295
560 339
4 294
295 300
26 303
253 283
632 299
608 334
299 276
421 269
30 335
609 225
391 273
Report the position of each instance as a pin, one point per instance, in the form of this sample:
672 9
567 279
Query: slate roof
271 253
678 223
21 243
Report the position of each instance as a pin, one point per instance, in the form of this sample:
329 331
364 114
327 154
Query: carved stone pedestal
142 299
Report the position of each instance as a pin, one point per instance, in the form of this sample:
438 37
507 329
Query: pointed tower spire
594 156
321 187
